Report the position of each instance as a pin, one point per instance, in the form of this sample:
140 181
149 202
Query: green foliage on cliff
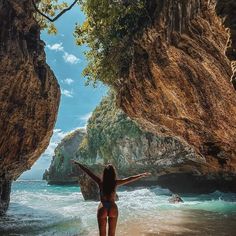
108 32
49 8
86 150
106 125
72 135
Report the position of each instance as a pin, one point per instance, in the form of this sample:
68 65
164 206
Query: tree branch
57 16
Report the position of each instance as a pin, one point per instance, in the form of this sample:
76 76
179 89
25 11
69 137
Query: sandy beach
175 222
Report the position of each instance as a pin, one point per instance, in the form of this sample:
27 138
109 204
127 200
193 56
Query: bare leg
112 219
102 219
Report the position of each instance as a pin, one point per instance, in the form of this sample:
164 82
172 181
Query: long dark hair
109 179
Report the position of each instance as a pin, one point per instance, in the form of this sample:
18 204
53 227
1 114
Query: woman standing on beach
107 209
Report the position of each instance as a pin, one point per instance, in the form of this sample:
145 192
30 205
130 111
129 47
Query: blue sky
77 100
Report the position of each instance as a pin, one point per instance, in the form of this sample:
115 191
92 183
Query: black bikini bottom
107 204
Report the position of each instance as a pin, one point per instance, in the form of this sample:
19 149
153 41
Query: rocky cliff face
226 10
60 170
113 138
178 85
29 94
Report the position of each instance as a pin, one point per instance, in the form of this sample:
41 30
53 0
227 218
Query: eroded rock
29 94
178 90
175 198
179 85
113 138
61 170
226 9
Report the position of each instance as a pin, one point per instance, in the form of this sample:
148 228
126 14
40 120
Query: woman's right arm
88 172
132 178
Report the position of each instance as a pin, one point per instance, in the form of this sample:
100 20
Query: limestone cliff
112 137
29 94
60 169
178 85
227 10
62 172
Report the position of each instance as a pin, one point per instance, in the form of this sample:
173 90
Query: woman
107 209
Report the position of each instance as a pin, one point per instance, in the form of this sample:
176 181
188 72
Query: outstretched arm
87 171
132 178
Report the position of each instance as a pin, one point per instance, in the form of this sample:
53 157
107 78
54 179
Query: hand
146 174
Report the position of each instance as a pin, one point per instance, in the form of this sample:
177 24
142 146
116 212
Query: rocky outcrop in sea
60 170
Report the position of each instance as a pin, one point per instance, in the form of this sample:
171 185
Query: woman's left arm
132 178
88 172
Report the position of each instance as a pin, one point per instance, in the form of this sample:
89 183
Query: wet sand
176 222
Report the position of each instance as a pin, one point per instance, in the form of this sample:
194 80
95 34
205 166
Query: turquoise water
39 209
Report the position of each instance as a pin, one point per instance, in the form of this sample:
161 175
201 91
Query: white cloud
81 127
67 93
56 138
68 81
70 58
56 47
85 117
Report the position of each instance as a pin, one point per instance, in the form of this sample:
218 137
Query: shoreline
52 210
177 222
